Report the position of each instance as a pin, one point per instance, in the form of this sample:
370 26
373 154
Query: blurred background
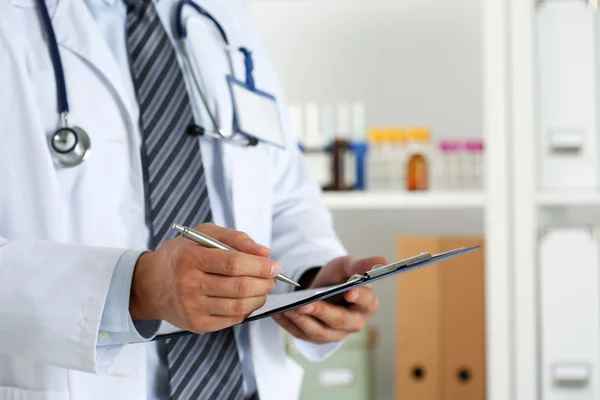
433 125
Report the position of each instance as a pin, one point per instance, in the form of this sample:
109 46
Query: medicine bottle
342 165
375 162
474 164
417 165
450 165
397 159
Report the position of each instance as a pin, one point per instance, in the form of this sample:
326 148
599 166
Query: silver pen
209 242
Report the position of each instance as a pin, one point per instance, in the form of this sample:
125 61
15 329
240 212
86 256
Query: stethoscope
181 33
71 145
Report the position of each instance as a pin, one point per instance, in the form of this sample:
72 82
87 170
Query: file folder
440 322
418 369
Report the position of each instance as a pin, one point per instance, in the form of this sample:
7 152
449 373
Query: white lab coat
63 230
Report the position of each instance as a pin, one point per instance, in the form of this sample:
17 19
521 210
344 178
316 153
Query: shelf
397 200
590 199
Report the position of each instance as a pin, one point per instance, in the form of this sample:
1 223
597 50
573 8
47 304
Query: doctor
109 135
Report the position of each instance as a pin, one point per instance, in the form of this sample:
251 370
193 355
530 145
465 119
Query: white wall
412 62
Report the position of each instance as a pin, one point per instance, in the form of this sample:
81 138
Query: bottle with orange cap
418 163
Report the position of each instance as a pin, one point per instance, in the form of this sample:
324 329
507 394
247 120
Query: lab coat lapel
74 30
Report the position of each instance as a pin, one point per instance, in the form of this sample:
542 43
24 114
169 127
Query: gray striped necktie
200 366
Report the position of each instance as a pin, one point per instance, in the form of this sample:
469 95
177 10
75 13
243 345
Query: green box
344 375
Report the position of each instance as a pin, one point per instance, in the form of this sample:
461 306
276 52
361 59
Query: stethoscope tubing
181 32
59 74
180 26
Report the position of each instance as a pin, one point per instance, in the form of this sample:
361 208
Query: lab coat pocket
11 393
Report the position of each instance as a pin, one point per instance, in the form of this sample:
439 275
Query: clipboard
280 303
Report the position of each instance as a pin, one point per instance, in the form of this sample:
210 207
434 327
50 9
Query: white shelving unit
513 311
569 200
404 200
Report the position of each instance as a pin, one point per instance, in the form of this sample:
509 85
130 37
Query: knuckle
318 310
266 286
338 322
190 316
243 287
181 286
241 307
201 284
239 236
183 258
233 265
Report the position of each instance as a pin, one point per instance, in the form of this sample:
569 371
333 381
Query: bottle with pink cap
448 171
473 166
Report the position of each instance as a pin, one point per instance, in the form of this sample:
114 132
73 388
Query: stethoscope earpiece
195 130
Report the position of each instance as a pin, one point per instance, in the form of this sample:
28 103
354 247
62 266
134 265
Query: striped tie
200 366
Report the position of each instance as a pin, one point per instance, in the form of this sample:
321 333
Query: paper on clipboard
274 302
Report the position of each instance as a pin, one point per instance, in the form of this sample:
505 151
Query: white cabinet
567 95
570 314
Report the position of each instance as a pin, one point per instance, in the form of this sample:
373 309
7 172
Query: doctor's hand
322 322
200 289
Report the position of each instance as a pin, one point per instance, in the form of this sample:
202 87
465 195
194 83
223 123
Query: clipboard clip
380 269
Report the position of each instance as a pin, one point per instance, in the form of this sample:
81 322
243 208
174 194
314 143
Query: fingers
235 287
364 301
321 322
335 317
287 324
236 239
217 323
233 263
234 307
315 330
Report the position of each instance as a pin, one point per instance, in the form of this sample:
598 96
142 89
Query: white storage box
570 314
567 71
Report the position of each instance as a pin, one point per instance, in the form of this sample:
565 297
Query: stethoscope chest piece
70 145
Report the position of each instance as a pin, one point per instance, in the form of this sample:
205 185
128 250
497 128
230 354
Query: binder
440 324
463 323
418 370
